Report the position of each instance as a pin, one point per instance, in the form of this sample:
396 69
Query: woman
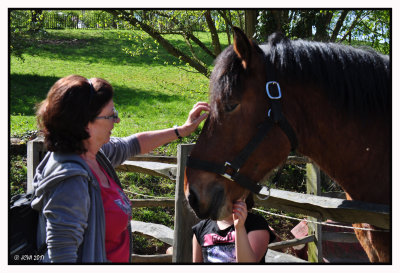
84 214
242 237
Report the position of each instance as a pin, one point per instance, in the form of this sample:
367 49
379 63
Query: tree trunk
277 16
303 28
338 25
214 34
322 23
228 24
250 17
240 19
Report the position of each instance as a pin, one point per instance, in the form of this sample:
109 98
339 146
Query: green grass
19 124
18 172
149 95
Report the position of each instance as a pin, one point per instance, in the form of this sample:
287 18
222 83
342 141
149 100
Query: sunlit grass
149 95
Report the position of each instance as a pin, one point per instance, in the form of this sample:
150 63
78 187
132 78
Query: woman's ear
88 128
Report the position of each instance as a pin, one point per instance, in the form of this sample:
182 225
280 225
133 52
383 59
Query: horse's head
239 104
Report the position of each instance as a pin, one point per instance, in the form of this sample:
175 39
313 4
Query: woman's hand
239 214
194 119
153 139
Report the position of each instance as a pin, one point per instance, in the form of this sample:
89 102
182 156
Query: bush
17 174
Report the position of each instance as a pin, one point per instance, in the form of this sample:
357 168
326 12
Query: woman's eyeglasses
114 116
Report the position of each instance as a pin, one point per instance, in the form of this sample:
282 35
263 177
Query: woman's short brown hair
71 103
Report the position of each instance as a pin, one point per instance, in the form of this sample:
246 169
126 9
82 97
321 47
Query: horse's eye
230 107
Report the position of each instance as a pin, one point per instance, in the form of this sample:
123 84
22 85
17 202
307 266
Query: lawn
149 94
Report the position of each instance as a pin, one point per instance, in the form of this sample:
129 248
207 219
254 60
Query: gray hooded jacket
67 195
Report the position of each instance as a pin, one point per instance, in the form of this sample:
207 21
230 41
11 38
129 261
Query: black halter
231 170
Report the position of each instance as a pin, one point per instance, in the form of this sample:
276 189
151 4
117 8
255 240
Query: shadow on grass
26 90
133 97
106 48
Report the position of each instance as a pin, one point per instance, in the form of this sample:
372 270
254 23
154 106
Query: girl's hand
239 214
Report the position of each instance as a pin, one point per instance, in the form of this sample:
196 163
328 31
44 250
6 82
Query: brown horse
329 102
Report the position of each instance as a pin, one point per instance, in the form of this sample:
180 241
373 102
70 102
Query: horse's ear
242 46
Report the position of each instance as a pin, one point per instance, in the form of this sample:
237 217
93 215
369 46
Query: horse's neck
356 156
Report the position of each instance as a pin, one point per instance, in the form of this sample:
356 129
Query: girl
242 237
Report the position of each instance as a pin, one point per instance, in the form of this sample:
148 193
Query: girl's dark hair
70 105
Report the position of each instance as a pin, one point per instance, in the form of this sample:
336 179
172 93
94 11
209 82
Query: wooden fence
319 208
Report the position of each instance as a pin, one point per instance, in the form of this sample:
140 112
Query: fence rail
329 208
318 207
142 203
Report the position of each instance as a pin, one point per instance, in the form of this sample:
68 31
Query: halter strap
233 174
276 113
263 129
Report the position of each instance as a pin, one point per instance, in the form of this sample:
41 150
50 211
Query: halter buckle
263 196
269 93
227 175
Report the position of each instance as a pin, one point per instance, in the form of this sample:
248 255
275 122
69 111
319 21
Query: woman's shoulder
67 161
57 167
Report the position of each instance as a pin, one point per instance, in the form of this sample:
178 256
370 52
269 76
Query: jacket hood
55 168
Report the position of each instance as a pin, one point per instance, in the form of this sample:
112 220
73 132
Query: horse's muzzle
211 207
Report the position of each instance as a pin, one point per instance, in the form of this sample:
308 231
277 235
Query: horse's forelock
224 81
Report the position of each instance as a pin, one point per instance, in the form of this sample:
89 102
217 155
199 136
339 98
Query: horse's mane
358 80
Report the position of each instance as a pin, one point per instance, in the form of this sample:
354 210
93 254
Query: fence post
35 153
184 217
314 187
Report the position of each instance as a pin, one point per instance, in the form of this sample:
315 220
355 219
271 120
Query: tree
158 23
250 17
214 33
228 23
24 26
36 23
322 21
357 27
346 26
145 20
